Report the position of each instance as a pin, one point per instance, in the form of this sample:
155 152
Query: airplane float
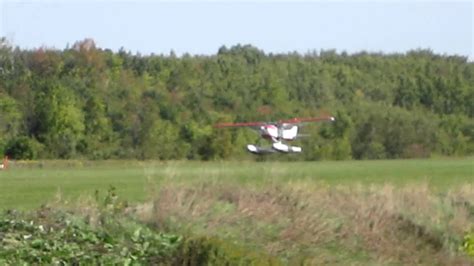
277 132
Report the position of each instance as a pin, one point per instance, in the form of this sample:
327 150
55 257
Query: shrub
213 251
22 148
57 237
468 245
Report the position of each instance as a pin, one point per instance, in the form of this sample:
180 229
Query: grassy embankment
368 213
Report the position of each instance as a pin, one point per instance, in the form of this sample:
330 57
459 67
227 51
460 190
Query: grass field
29 184
394 212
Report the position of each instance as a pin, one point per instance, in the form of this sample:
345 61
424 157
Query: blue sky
201 27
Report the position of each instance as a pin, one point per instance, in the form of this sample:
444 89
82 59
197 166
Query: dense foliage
468 245
64 239
87 102
105 235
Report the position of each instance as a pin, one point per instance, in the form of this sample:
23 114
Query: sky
201 27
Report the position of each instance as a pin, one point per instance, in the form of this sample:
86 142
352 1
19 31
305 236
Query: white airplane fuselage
277 135
285 132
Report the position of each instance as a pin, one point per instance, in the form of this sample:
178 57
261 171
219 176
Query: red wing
288 121
307 119
244 124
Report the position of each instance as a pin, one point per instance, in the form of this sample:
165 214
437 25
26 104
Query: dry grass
298 221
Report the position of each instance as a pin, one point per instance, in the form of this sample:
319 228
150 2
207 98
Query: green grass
27 185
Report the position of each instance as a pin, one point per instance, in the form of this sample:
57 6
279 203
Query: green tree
22 148
89 102
161 141
10 117
60 123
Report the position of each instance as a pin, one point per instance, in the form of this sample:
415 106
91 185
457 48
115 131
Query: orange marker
4 165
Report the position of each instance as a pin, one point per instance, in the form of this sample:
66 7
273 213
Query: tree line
92 103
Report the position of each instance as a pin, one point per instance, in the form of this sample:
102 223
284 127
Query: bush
213 251
49 236
468 245
54 237
22 148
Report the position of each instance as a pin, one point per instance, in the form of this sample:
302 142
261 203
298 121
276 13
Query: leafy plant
59 237
66 239
22 148
468 244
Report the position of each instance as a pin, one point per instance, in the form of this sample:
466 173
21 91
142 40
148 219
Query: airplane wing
293 121
300 121
243 124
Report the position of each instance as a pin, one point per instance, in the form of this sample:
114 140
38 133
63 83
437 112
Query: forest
87 102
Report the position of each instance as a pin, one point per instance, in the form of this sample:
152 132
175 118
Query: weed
468 244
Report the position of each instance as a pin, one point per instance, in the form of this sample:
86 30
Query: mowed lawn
26 185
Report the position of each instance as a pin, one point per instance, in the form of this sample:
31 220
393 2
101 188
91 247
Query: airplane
277 132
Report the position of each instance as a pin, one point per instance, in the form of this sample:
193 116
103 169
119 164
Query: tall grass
306 223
